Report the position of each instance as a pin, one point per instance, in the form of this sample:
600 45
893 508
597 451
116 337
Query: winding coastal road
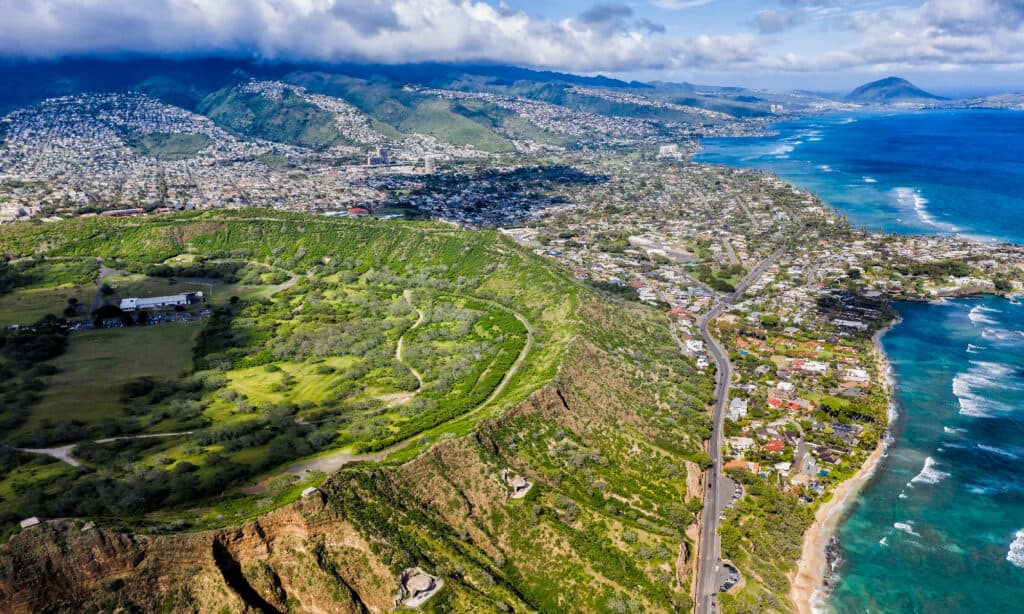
709 562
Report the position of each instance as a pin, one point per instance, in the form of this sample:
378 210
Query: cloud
938 35
773 21
607 18
603 38
390 31
679 4
728 52
650 27
605 13
608 37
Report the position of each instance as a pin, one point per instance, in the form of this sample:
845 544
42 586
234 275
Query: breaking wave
911 198
907 527
1016 553
929 474
998 451
978 315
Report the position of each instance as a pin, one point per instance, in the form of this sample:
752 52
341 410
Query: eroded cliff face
303 557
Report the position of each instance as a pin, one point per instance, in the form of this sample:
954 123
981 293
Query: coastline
807 583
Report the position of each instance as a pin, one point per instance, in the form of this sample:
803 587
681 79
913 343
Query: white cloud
936 34
329 30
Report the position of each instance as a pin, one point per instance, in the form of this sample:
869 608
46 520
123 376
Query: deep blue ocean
940 527
926 172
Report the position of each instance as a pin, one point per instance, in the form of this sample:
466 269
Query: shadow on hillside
499 195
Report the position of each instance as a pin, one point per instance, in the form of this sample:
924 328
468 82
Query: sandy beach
808 580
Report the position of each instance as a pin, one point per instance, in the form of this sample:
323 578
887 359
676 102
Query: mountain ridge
890 90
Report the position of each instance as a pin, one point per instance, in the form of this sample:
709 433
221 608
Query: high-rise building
378 158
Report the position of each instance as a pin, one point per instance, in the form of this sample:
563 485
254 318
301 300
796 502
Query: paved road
709 561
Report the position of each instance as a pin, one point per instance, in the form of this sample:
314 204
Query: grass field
258 385
98 362
27 306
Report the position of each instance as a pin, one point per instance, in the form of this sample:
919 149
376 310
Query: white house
858 376
737 409
741 444
815 366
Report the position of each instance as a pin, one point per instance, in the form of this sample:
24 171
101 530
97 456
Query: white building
159 302
814 366
740 444
859 376
737 409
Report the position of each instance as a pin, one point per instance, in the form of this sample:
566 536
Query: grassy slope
91 372
602 418
287 120
406 113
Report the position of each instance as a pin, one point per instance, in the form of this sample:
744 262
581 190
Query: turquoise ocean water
940 527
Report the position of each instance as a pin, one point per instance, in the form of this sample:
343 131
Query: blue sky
962 46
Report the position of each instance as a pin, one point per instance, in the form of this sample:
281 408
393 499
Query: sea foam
907 527
978 315
970 402
998 451
929 474
911 198
1016 553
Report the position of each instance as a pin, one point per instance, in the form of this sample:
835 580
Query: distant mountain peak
890 90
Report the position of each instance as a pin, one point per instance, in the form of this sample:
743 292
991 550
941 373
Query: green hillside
504 361
289 119
408 112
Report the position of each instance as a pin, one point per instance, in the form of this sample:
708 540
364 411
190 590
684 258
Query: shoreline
807 583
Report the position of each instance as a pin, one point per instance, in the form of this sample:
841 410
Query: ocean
940 526
935 172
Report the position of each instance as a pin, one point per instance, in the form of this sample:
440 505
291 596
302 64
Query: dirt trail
64 453
331 462
399 349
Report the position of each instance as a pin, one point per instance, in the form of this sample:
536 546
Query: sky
950 46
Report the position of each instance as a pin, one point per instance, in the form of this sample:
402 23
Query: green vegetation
942 268
304 366
85 392
176 146
588 396
763 534
396 112
288 119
